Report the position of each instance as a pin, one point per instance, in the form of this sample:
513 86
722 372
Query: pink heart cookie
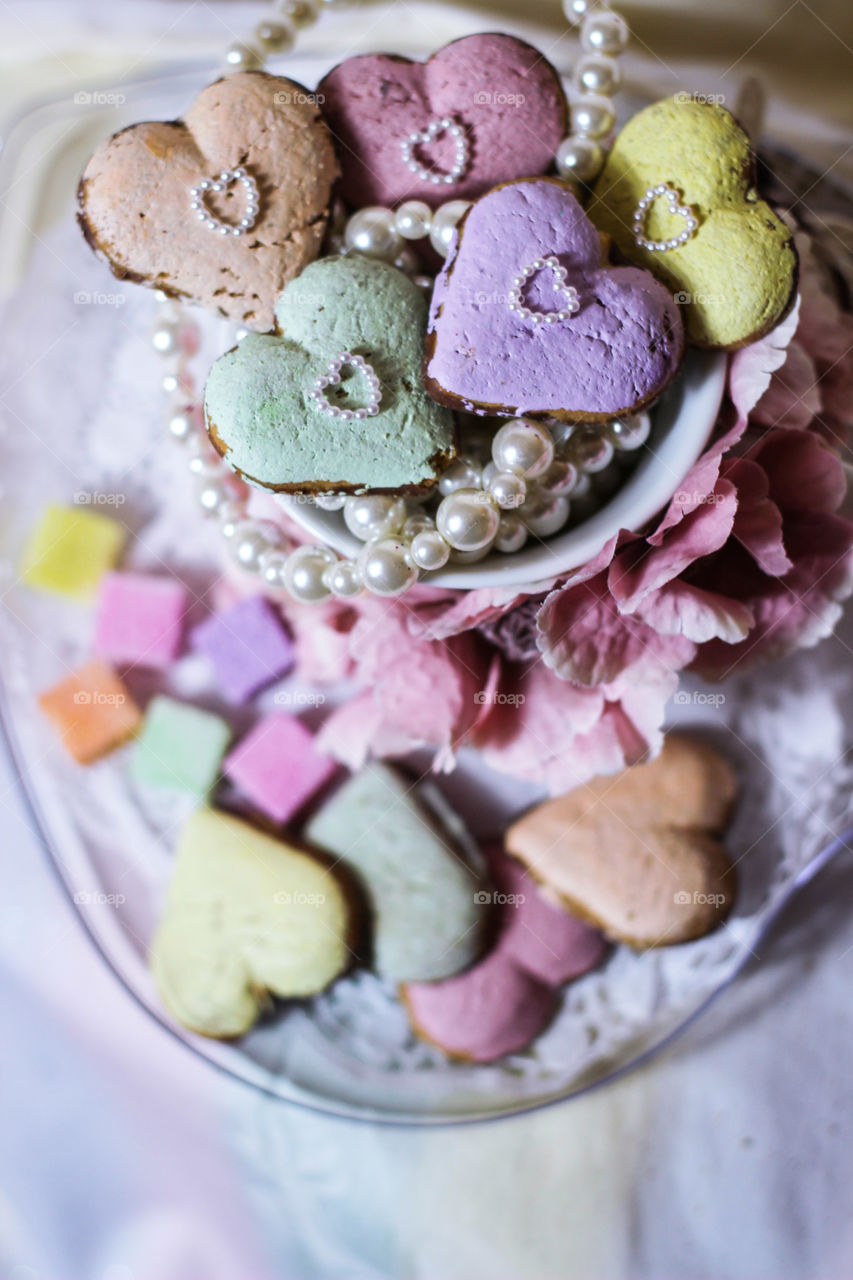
483 110
526 319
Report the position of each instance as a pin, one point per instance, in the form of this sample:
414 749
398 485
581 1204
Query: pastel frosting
258 404
616 353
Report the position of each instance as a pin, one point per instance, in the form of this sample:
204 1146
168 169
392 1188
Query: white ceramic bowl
682 422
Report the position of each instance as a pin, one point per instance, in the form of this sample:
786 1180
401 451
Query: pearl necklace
523 489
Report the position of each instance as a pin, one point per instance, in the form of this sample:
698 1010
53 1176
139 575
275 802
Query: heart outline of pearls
423 137
678 210
226 179
332 378
561 285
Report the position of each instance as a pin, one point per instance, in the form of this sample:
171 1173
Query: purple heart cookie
483 110
526 319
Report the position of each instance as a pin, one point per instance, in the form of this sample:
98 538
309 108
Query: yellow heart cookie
639 854
246 915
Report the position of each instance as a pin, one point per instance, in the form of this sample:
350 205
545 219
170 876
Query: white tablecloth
124 1158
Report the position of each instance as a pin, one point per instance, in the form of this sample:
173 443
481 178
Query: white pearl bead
463 473
424 283
248 545
579 157
467 520
386 567
512 535
523 447
177 380
273 567
597 73
593 115
575 10
416 524
373 515
591 450
551 518
212 493
303 577
182 425
372 231
413 220
242 56
166 338
230 515
444 222
631 433
300 12
559 480
274 35
407 260
429 550
343 579
330 501
604 32
507 489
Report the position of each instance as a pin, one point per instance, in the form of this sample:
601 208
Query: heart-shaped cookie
246 915
525 319
677 195
639 855
221 208
335 404
483 110
427 921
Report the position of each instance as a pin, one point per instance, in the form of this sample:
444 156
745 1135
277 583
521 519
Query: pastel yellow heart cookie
678 196
246 916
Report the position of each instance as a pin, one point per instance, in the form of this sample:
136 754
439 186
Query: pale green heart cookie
246 915
259 407
736 274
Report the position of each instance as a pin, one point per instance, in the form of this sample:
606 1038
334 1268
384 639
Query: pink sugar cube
277 766
140 619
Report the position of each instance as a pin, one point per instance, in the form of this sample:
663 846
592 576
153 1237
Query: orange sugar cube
92 711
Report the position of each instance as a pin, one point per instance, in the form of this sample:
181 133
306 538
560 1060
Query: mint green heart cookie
677 195
335 403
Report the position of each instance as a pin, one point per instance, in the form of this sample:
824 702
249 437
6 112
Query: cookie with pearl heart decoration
678 196
335 403
482 110
527 319
221 208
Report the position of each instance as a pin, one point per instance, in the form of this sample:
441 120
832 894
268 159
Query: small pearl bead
166 338
343 579
213 493
248 545
523 447
373 515
230 514
273 567
597 74
372 231
413 220
424 283
593 116
559 480
177 380
512 535
576 10
604 32
407 260
429 550
631 433
300 12
303 577
467 520
182 425
550 519
386 567
579 157
507 489
444 222
463 473
417 524
274 35
591 450
241 56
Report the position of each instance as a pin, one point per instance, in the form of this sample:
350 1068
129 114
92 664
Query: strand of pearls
276 34
597 76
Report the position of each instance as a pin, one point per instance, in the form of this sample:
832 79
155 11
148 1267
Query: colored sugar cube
70 550
277 766
140 619
248 647
180 747
92 711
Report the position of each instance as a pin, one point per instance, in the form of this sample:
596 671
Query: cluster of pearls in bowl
422 137
226 179
685 211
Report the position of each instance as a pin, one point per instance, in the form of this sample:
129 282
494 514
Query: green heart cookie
736 273
271 422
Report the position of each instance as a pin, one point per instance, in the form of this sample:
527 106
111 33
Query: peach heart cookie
508 999
221 208
247 916
427 923
482 110
678 196
640 855
526 319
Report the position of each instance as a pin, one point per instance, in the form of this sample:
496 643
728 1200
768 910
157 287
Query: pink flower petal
752 367
680 609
